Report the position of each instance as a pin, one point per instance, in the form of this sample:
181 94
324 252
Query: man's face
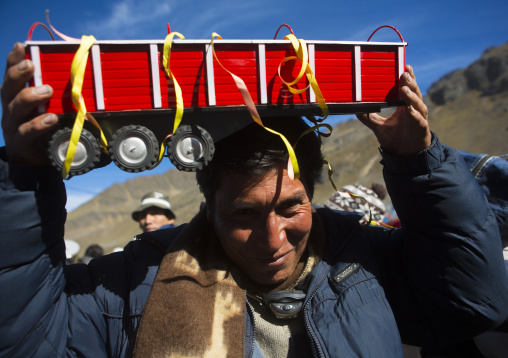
153 218
262 223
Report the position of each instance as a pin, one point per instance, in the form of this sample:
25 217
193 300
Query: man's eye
289 207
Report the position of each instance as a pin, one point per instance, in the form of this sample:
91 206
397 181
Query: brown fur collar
195 308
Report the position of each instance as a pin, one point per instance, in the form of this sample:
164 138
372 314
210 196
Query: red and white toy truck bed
129 76
127 90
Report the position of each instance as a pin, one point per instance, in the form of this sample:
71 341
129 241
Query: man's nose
274 232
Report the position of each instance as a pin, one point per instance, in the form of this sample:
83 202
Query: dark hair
94 251
255 151
380 190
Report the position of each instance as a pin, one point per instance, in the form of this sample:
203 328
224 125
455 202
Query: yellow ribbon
178 91
168 42
302 56
370 221
293 169
312 129
161 152
330 172
78 68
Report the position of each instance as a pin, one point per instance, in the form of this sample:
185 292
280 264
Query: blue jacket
438 279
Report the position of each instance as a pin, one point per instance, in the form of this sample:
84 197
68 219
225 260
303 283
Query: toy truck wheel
190 148
86 156
134 148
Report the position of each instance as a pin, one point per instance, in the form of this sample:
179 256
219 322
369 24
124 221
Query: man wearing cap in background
154 212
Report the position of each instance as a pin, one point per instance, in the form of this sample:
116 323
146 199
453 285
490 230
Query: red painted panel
334 72
56 71
120 82
379 74
243 63
379 55
126 77
187 65
188 52
124 52
378 63
373 71
130 73
335 52
178 60
113 65
278 92
126 102
379 79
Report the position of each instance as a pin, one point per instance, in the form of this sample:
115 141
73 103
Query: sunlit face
153 218
263 227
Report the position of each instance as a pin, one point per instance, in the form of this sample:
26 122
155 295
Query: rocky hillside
468 110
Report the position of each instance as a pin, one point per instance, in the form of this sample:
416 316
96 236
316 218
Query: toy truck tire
191 148
134 148
87 154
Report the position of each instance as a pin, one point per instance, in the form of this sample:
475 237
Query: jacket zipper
253 324
316 348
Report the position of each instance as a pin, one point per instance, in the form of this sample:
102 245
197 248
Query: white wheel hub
80 155
132 150
189 149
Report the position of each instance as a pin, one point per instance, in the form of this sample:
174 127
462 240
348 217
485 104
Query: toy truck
131 96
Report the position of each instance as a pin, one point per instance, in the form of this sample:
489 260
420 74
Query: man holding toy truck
259 271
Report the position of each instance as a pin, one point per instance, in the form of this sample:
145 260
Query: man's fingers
22 127
15 80
370 119
25 103
38 126
24 146
17 73
362 117
414 102
408 79
16 55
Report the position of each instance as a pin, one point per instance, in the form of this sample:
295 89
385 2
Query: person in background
154 212
365 201
92 252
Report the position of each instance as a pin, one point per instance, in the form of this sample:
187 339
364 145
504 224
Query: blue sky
442 35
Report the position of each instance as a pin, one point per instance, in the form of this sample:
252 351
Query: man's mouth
275 260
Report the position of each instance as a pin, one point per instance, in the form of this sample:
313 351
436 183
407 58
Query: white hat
156 199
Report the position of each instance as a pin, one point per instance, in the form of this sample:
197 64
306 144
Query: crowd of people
259 271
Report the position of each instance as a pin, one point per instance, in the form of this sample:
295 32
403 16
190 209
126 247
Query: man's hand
22 126
406 131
